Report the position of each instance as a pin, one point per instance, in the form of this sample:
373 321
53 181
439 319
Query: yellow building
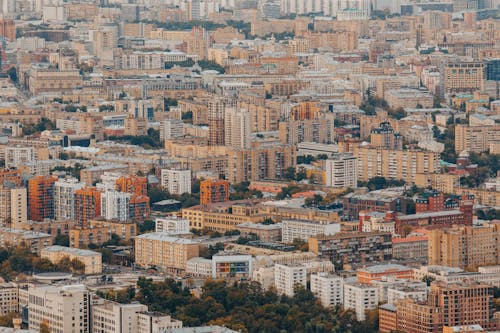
164 251
92 260
443 182
465 246
475 138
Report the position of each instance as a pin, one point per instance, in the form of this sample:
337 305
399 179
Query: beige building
408 98
475 138
443 182
111 317
465 246
62 308
164 251
35 241
92 260
42 81
462 77
395 164
9 298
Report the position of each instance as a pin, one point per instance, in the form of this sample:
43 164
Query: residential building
16 156
475 139
212 191
353 248
9 298
115 205
465 246
237 129
461 77
379 272
303 230
360 298
342 171
61 308
92 260
328 288
287 278
265 232
132 184
385 137
153 322
171 128
115 317
41 197
34 241
176 181
87 205
232 265
164 251
81 238
64 198
172 225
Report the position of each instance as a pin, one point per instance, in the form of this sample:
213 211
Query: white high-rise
115 205
171 128
17 156
176 181
360 297
342 171
329 289
287 278
61 308
64 197
237 128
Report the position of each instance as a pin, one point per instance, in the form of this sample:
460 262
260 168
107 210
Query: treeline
244 307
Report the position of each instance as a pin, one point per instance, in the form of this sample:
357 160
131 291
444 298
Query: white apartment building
237 128
328 288
342 171
64 197
9 298
286 278
111 317
360 297
172 225
301 229
171 128
115 205
199 267
18 206
176 181
17 156
63 308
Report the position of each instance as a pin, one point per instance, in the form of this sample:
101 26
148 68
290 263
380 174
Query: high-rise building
216 113
41 197
64 198
61 308
465 246
87 205
360 297
17 156
475 139
18 206
8 29
171 128
462 77
384 136
342 171
212 191
176 181
237 130
115 205
329 289
287 278
132 184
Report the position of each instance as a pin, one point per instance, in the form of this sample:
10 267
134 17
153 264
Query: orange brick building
212 191
133 185
376 273
10 176
8 29
139 208
305 111
87 205
41 198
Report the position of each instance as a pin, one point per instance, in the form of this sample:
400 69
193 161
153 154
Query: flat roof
79 252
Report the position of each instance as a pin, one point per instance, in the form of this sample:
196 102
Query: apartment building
13 205
41 197
328 288
87 205
378 272
465 246
302 229
64 198
171 128
92 260
9 298
360 297
212 191
176 181
342 171
132 184
16 156
384 136
172 225
46 81
61 308
287 278
237 128
394 164
115 205
164 251
475 138
353 248
460 77
81 238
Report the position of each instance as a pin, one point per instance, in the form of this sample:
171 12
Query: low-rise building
301 229
92 260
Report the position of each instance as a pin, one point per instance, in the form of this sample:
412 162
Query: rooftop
166 237
72 250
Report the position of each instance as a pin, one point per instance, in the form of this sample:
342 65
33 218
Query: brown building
81 237
41 197
87 205
8 29
465 246
416 317
212 191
